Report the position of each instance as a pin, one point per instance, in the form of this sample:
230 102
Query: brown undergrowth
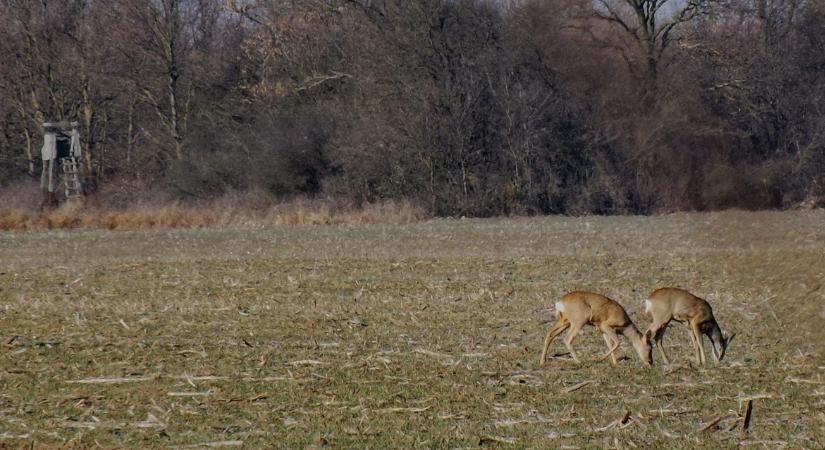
218 214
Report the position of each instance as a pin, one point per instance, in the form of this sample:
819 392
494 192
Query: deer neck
636 339
717 339
633 335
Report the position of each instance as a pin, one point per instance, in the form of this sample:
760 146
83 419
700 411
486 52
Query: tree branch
613 16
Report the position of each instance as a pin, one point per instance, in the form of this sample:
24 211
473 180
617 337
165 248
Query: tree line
466 107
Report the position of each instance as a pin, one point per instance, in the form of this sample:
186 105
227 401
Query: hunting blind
61 156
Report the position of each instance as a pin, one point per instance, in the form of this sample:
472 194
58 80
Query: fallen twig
712 423
109 380
410 410
215 444
201 378
801 380
624 420
662 412
263 396
754 397
746 422
306 362
422 351
495 439
577 386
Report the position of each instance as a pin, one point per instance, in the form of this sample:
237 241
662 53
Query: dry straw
215 214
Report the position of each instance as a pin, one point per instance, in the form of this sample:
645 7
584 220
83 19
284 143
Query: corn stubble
401 336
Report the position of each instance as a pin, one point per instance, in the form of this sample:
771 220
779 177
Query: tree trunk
130 132
88 124
172 76
29 152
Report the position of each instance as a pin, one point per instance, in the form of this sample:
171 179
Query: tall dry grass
231 211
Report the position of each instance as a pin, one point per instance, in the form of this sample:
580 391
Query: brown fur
577 309
667 304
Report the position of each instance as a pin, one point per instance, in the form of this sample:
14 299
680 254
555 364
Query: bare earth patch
405 336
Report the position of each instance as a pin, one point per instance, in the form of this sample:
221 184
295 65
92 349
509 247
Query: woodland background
462 107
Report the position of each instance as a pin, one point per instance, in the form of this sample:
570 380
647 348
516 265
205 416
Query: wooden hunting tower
61 156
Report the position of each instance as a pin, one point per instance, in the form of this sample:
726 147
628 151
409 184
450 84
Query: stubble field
407 336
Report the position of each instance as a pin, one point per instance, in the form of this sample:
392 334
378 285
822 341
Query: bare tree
647 28
157 64
466 106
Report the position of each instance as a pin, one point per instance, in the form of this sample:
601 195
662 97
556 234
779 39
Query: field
407 336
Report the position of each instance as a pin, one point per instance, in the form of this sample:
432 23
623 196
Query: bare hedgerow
235 210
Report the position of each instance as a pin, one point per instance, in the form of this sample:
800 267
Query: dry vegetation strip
422 335
216 214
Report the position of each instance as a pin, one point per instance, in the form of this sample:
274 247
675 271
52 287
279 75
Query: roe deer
577 309
668 304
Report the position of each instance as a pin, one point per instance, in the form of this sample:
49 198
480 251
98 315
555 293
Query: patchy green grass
425 335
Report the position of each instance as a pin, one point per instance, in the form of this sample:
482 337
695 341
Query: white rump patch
648 306
559 308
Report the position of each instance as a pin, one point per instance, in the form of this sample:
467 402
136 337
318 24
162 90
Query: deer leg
660 333
556 330
657 332
698 337
610 350
693 343
571 335
612 341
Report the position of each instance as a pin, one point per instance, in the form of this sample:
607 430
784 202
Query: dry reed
217 214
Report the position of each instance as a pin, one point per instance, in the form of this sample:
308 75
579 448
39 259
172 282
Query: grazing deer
577 309
668 304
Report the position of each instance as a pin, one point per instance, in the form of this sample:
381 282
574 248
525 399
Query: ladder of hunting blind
71 177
